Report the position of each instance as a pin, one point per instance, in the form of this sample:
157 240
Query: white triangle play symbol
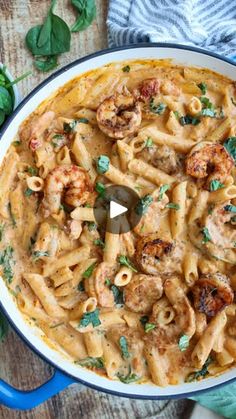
116 209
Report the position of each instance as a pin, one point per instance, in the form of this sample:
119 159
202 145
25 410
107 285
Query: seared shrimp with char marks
71 178
119 115
147 89
33 132
105 271
222 233
142 292
212 293
211 161
155 255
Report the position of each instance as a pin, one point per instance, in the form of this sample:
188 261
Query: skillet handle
23 400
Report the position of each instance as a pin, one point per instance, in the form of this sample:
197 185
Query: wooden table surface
18 364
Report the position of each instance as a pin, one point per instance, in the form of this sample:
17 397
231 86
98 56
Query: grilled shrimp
209 160
147 89
142 292
104 271
155 255
162 157
218 224
75 180
119 115
212 293
185 314
35 130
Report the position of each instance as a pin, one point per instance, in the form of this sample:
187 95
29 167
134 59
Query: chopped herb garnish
57 140
28 192
149 326
89 271
126 69
172 205
230 208
87 206
3 327
230 146
189 120
39 254
16 143
107 282
124 347
91 225
129 378
102 163
83 120
124 260
118 295
56 325
148 143
80 287
158 108
208 107
183 343
208 112
162 190
206 235
33 171
202 87
210 209
215 185
176 113
143 320
91 317
99 242
2 226
91 362
70 127
100 188
12 215
143 204
233 101
201 373
6 262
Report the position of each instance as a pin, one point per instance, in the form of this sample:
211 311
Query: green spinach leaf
230 145
45 64
87 13
91 317
91 362
124 347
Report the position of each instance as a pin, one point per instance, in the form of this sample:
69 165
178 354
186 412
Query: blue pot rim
2 131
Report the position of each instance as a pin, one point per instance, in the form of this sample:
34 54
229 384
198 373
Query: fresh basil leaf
124 260
46 63
6 261
159 108
108 282
230 208
126 69
129 378
89 271
28 192
183 343
143 204
32 170
201 373
162 190
215 185
149 326
206 235
87 13
6 103
148 143
102 163
118 295
202 87
208 112
189 120
172 205
124 347
99 242
230 146
3 327
2 116
176 113
38 254
91 225
208 107
91 362
83 120
91 317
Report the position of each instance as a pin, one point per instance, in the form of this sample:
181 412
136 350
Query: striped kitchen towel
209 24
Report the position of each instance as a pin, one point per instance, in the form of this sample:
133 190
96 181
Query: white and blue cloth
208 24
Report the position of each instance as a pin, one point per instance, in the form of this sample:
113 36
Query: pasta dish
153 303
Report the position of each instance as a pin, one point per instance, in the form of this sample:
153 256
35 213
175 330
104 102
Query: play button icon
114 209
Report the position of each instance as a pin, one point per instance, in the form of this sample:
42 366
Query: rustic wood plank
18 364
